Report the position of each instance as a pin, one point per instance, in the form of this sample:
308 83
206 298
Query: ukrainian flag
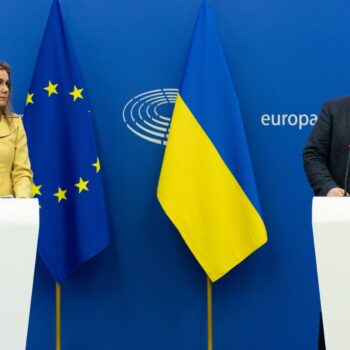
206 185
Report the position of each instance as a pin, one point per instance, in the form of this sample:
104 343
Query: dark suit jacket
326 151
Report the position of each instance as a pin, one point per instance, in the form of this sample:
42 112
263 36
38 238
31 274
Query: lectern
331 228
19 226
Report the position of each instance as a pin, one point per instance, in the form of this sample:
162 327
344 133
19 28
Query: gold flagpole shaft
58 316
210 314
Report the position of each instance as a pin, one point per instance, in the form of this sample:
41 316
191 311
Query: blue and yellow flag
73 224
206 186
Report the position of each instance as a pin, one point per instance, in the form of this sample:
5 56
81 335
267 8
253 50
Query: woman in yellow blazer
15 172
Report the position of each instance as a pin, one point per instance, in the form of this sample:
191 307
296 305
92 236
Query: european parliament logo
148 115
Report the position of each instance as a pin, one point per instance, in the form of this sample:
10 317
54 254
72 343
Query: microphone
346 174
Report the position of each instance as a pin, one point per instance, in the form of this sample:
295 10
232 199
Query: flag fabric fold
207 186
66 167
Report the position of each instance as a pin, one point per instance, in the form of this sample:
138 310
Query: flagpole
58 316
210 314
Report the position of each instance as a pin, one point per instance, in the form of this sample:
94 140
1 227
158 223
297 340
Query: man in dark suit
326 155
327 149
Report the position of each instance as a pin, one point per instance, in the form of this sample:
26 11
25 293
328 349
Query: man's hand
336 192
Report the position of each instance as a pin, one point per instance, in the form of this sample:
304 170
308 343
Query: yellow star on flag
29 98
36 189
60 194
97 165
82 185
76 93
51 88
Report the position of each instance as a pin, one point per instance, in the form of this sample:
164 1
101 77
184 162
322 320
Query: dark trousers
321 343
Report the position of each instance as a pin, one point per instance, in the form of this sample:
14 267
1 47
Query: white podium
331 227
19 226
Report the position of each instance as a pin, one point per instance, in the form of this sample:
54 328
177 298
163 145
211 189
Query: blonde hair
7 110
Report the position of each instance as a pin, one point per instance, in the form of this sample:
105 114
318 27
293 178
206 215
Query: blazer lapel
6 128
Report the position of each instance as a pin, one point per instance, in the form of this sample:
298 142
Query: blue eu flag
66 167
